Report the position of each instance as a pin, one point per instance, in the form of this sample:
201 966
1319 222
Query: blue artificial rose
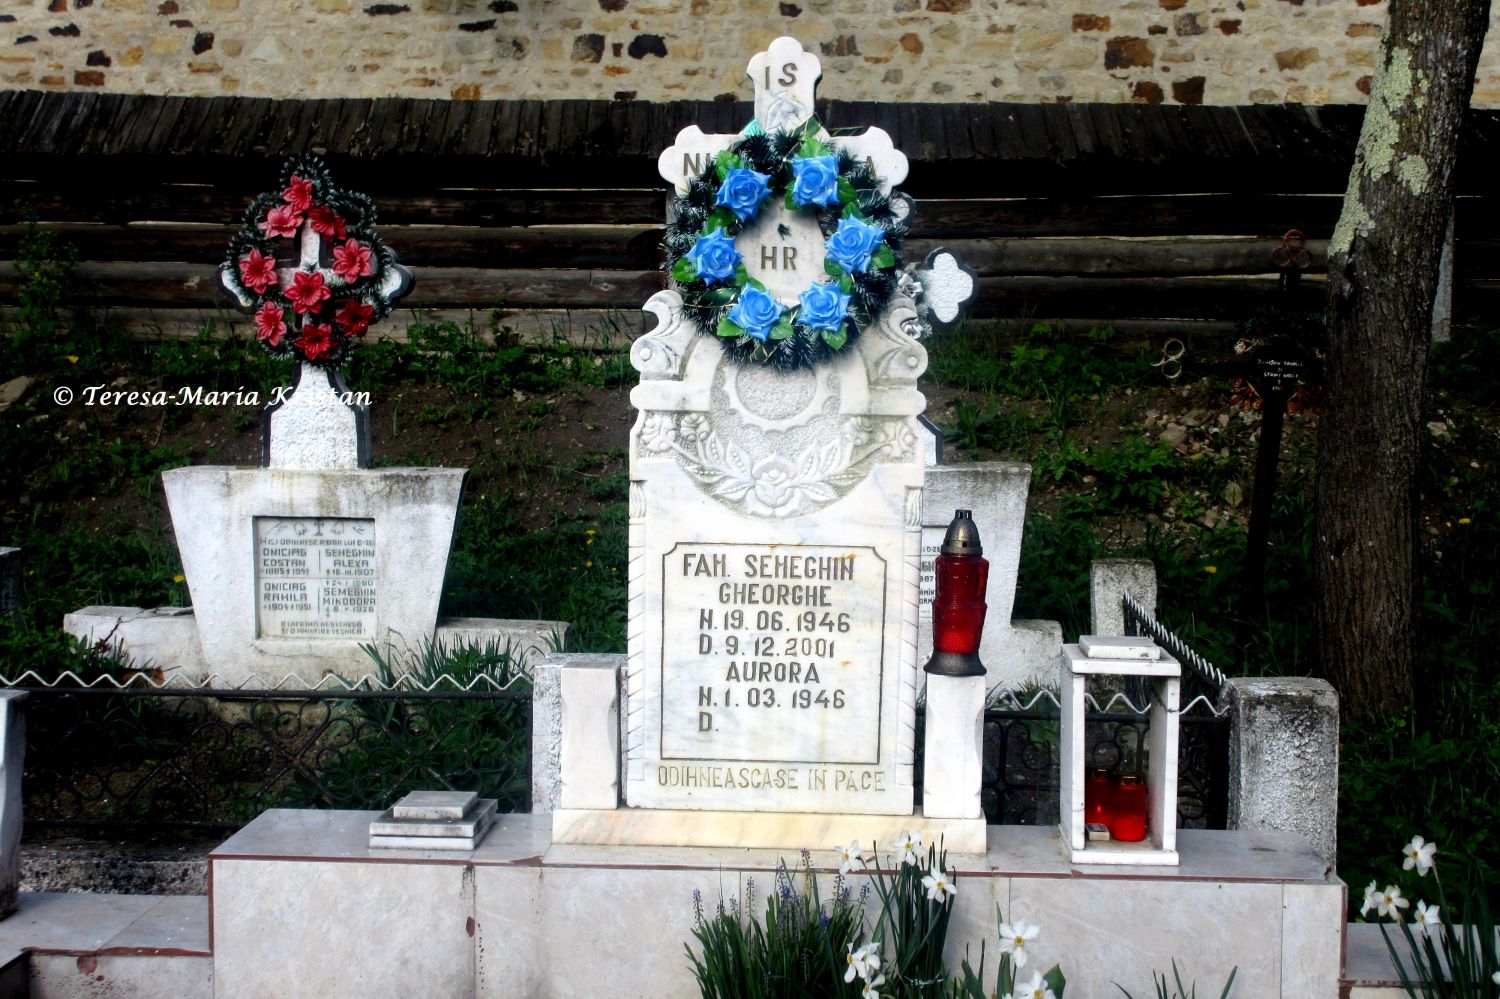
815 181
714 256
853 244
824 307
756 312
742 192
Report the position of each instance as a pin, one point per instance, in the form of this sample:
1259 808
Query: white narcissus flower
1427 916
1372 898
939 888
1014 937
907 846
1391 903
863 962
870 990
1037 988
1419 855
849 857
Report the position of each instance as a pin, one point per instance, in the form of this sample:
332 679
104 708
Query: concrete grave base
756 830
165 640
302 907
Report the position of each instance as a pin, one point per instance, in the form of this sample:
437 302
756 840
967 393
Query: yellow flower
1465 520
72 358
1210 569
588 565
590 532
589 541
178 578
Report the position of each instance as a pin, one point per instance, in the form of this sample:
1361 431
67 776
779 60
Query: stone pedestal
1109 580
317 426
1284 757
1013 652
590 750
291 571
12 762
953 757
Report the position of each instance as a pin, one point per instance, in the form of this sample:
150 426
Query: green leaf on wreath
726 161
811 127
684 271
719 218
813 147
791 205
753 283
831 268
727 328
741 276
720 296
782 330
835 338
847 194
883 257
846 283
851 211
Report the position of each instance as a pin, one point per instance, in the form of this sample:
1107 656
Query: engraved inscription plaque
772 653
315 578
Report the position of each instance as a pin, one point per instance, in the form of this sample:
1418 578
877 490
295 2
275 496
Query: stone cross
315 426
783 249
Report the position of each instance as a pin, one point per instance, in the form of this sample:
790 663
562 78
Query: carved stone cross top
785 78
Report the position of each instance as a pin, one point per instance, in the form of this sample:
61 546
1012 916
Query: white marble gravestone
775 544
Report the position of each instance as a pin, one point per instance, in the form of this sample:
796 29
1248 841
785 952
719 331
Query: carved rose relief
776 485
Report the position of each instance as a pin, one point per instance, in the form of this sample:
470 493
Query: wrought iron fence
152 758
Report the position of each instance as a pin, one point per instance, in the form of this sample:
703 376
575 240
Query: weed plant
798 950
1174 989
389 746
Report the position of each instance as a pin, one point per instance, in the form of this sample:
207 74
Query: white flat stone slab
756 830
434 806
1080 663
471 827
1118 647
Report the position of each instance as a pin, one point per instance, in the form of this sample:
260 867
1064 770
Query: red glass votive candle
1098 791
1130 807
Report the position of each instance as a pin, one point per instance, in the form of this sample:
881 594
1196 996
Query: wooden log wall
547 214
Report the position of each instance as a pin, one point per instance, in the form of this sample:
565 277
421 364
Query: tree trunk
1382 266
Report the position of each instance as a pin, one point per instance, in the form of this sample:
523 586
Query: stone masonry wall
1184 51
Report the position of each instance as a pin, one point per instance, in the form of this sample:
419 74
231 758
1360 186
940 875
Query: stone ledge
755 830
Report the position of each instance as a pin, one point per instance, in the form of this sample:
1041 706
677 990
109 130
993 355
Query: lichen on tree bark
1382 266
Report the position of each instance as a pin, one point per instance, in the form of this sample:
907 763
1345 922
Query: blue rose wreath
862 228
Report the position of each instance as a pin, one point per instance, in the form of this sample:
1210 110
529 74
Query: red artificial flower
298 194
258 271
307 292
282 220
326 222
353 261
270 323
354 317
316 341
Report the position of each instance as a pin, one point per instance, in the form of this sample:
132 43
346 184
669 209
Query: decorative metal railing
143 756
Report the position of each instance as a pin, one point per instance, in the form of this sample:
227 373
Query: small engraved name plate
315 578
